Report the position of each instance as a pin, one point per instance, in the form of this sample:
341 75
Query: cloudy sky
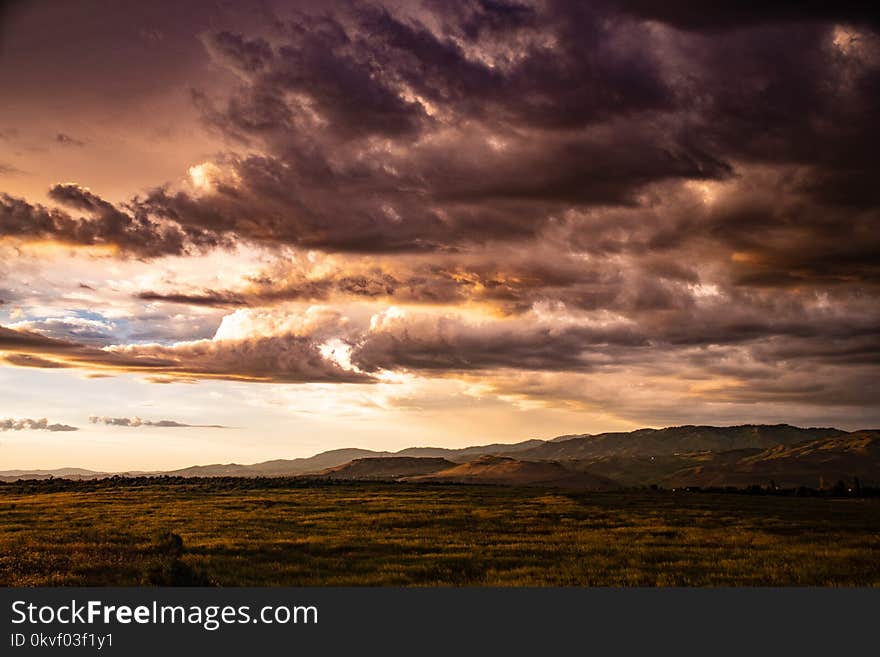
240 231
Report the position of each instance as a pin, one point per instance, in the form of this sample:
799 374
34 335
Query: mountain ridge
627 458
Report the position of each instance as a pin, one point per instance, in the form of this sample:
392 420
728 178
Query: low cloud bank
27 424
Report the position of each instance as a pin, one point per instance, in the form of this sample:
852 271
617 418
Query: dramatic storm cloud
643 213
105 225
287 358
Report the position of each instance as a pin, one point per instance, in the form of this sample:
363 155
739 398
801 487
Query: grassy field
292 533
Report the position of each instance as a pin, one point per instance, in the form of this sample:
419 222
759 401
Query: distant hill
333 458
644 470
469 453
502 470
279 467
676 440
568 436
386 467
830 460
674 456
60 472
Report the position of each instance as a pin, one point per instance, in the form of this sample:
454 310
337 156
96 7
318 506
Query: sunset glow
359 225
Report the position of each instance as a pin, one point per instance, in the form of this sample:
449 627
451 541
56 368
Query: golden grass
288 533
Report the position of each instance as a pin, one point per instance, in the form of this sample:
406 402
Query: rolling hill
676 440
503 470
318 463
675 456
386 468
466 454
278 467
813 463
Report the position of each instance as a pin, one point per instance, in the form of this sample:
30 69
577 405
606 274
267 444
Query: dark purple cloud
103 225
735 14
288 358
672 186
384 136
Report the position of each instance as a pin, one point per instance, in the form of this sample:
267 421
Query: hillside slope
507 471
677 440
811 463
698 455
465 454
386 467
279 467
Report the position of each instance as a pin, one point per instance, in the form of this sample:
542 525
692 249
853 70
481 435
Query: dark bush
168 543
165 567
